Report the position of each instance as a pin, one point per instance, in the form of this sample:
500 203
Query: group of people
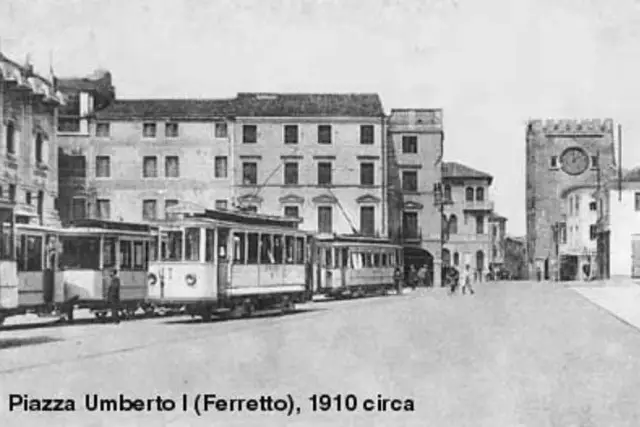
465 279
453 279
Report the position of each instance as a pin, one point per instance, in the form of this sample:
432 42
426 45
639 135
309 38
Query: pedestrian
453 277
422 275
114 296
397 279
467 279
413 277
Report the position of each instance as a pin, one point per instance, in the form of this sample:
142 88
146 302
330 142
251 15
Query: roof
308 105
493 216
131 109
458 170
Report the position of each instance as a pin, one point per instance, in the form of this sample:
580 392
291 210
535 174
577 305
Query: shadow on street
259 315
6 343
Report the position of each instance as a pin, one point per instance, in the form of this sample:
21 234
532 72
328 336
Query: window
468 194
221 204
577 209
126 254
78 206
149 130
289 249
324 134
171 130
249 173
494 231
447 193
456 258
290 134
30 253
72 166
39 147
251 208
593 206
367 220
252 248
366 134
410 181
80 253
149 210
593 232
103 207
27 197
366 174
68 125
290 173
138 256
192 244
102 130
172 167
278 249
103 167
209 249
266 249
300 248
453 224
239 241
221 166
291 211
223 243
109 252
553 162
480 194
324 173
479 224
171 246
637 199
249 134
410 225
150 167
40 201
221 130
169 203
409 144
325 219
595 162
11 138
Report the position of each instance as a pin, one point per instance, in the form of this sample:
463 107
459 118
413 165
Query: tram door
222 254
49 270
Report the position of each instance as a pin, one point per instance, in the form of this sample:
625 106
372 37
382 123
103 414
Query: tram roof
247 218
112 225
354 238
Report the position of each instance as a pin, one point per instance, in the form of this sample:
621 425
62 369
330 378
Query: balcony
484 205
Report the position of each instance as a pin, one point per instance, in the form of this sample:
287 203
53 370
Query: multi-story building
320 157
84 96
575 234
560 153
415 140
618 228
28 109
515 259
465 215
498 226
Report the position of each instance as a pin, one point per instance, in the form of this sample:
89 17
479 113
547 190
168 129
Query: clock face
574 161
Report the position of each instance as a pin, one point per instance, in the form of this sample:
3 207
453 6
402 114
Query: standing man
397 278
114 296
467 278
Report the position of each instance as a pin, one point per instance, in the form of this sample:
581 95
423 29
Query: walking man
453 277
114 296
397 278
467 278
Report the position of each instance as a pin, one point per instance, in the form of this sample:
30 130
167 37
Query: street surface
515 354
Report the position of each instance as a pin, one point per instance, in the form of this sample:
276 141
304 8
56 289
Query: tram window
278 249
138 256
266 249
300 245
223 243
80 253
239 243
152 250
385 260
5 243
109 253
126 255
34 253
376 260
172 246
209 248
392 260
252 249
20 245
192 244
357 260
345 258
367 260
289 247
328 259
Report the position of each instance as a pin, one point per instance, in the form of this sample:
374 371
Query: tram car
91 249
224 263
354 266
9 293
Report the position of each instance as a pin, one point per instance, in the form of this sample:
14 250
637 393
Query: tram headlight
190 279
153 279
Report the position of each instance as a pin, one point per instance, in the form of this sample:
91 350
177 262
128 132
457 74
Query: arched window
469 194
453 224
456 258
480 194
447 193
11 135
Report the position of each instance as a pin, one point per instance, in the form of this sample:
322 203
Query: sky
491 65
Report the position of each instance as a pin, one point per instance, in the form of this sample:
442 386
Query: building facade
515 257
28 109
498 229
415 140
576 234
560 153
465 215
319 157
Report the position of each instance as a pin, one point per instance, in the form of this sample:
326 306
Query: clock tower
560 154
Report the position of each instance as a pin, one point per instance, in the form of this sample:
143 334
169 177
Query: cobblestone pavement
514 354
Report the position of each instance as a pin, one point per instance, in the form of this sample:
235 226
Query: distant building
498 227
28 110
559 154
415 148
515 262
320 157
465 217
576 233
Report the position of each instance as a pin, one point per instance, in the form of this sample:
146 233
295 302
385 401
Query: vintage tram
354 266
223 263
